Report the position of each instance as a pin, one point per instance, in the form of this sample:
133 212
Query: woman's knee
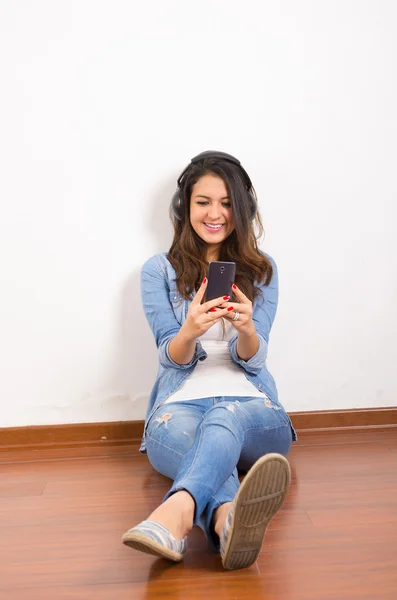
174 428
259 442
168 439
223 410
227 418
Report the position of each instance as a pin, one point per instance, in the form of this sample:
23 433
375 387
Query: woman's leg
212 459
170 434
267 430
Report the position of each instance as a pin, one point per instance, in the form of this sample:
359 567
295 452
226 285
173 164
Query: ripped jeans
201 444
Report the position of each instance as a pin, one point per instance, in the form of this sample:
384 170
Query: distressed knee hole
165 418
270 404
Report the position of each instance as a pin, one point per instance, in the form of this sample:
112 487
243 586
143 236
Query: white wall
103 103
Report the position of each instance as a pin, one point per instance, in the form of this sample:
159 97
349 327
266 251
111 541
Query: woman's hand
243 310
201 317
241 318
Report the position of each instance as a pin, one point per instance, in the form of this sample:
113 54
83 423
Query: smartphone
221 276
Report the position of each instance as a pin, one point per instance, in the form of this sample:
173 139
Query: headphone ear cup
177 205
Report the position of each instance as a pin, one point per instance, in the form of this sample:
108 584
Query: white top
217 375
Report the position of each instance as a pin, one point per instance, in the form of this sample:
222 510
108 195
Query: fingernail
213 309
205 280
230 308
226 297
234 286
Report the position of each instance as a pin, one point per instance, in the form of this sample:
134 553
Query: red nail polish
226 297
213 309
205 280
234 286
230 308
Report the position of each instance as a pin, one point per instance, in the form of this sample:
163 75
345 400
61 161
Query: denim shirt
166 311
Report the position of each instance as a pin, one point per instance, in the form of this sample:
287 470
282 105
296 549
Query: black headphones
177 199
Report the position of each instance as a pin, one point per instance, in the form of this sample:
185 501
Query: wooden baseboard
82 435
344 419
72 435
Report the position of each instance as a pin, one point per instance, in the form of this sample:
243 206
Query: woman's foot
220 517
152 538
176 514
164 532
260 496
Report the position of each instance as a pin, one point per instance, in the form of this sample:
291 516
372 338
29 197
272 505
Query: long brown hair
188 252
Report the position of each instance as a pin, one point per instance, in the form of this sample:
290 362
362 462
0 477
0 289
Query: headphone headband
220 155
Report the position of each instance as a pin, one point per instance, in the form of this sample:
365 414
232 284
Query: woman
214 408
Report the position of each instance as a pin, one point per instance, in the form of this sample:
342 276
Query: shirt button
175 298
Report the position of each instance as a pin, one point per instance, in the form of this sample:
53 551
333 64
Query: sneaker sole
260 496
141 542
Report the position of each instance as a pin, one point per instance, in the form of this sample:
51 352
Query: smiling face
211 212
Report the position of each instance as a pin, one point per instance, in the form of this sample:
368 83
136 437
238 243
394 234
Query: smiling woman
214 407
211 213
215 191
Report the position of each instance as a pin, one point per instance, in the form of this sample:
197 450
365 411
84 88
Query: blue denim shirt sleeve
263 314
155 294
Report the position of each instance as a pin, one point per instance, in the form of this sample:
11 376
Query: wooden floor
62 515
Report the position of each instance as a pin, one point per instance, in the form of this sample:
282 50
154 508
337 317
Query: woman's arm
263 314
159 313
247 344
181 348
178 345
